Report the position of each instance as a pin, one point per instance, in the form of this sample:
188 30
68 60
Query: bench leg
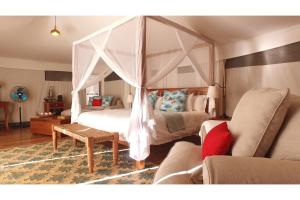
115 149
90 153
54 138
74 142
140 164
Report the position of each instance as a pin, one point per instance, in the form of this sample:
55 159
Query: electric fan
19 94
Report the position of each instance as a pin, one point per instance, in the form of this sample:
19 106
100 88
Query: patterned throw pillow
158 103
152 97
174 101
106 100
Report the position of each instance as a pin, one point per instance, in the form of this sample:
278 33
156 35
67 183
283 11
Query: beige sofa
275 160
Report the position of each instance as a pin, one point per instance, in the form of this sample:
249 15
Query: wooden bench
89 136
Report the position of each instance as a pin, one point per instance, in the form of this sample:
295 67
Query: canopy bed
105 120
141 50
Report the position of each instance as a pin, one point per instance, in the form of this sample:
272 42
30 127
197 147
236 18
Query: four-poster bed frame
141 83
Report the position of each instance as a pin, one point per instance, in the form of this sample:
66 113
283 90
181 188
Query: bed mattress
117 120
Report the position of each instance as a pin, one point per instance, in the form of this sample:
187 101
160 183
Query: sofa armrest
207 126
250 170
182 157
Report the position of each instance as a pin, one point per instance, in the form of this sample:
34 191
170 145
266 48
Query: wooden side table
4 106
54 106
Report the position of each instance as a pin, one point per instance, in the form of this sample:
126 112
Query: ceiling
28 37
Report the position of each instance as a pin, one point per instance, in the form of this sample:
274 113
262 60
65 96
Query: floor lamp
224 100
130 98
212 94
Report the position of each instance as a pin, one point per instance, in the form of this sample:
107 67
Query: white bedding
117 120
68 111
91 108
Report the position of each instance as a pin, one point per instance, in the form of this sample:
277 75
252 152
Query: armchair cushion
256 121
286 145
249 170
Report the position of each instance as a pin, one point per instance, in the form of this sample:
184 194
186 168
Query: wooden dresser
43 125
54 106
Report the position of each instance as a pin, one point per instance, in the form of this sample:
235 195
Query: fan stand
20 113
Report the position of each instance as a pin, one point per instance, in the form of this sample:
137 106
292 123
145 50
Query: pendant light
55 32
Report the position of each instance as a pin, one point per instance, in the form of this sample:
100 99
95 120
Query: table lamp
212 94
130 99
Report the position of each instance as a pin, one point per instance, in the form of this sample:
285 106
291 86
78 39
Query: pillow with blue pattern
152 97
106 100
174 101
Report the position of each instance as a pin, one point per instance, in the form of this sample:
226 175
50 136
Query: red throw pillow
97 102
217 142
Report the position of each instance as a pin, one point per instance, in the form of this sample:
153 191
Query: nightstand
55 107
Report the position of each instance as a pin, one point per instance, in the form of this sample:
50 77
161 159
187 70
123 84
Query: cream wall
34 80
260 43
17 63
119 89
239 80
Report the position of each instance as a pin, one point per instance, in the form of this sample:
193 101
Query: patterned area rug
39 164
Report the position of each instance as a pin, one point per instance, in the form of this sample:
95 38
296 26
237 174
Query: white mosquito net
141 50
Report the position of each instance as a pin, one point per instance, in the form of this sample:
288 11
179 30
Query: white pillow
200 103
190 102
158 103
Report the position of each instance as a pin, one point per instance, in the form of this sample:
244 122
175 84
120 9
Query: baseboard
16 125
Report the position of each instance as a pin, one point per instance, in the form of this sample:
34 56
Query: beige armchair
249 170
280 163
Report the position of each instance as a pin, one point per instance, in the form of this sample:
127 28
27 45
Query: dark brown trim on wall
284 54
58 76
112 77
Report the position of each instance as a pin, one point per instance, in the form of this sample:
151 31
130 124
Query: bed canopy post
140 164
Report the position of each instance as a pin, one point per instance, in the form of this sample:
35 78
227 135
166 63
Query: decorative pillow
256 121
173 101
91 98
158 103
97 101
190 102
113 101
217 142
152 96
200 103
106 101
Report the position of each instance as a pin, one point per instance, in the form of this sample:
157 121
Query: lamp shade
212 92
55 32
129 98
